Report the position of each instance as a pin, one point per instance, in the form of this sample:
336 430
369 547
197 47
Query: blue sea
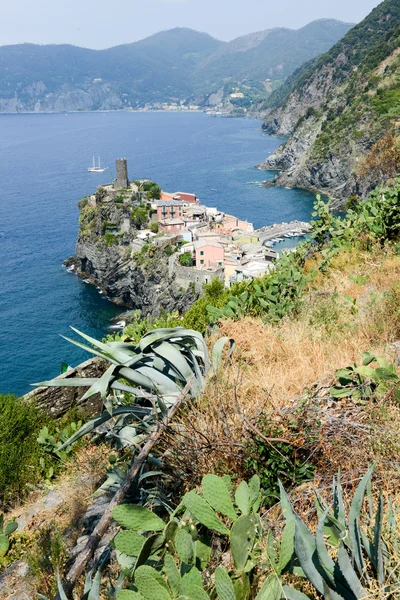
43 174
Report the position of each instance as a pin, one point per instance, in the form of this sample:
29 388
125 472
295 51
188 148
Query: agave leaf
286 554
324 558
338 505
62 594
217 352
103 418
120 357
91 350
102 384
349 573
305 547
354 522
287 508
377 557
76 382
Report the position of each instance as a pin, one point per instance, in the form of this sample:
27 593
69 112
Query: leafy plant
6 529
278 461
361 381
20 453
52 442
182 547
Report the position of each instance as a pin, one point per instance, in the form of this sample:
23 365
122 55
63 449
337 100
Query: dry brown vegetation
284 372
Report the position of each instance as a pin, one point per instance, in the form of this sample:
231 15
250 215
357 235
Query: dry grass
285 372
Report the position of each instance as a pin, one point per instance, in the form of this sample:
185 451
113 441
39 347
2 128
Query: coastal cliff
341 113
127 269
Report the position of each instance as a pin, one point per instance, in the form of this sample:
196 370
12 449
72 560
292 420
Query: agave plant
355 561
145 379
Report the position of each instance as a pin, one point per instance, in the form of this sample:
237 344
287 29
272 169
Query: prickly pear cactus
185 547
242 538
224 585
217 495
242 498
137 518
128 595
173 576
129 542
150 584
193 592
4 545
202 511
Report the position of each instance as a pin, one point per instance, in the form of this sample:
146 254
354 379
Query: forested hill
172 66
342 111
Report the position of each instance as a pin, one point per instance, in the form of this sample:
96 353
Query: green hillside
175 65
343 108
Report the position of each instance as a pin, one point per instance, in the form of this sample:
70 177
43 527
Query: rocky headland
130 272
340 113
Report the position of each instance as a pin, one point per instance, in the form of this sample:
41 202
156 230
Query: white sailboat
98 168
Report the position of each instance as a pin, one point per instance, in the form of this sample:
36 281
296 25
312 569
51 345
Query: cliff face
339 110
129 271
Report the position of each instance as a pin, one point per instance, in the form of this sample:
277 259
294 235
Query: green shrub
277 461
185 259
20 453
139 217
154 227
110 239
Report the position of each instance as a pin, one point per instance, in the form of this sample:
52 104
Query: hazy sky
105 23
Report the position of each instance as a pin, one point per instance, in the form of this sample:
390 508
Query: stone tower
121 183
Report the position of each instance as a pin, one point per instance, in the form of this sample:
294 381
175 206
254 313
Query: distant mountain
171 66
341 112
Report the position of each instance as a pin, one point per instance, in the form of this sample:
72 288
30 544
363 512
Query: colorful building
208 254
171 226
169 209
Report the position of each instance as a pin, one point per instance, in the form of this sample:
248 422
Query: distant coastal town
211 243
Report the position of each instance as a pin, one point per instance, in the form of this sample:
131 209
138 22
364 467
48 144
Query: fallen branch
99 531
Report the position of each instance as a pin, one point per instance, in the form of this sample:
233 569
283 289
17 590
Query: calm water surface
43 162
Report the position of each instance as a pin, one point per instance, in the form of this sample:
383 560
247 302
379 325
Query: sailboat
96 169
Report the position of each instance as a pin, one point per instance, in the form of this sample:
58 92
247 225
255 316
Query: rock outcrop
126 269
338 110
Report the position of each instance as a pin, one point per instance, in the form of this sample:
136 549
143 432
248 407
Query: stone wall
57 401
186 275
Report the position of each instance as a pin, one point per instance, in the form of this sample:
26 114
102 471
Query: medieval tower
121 182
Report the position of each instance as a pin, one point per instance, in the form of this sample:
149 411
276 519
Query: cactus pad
202 511
216 493
242 538
129 542
185 547
137 518
224 585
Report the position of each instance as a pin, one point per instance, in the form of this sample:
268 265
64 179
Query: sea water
43 174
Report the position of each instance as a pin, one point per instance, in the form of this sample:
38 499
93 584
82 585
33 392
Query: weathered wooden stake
99 531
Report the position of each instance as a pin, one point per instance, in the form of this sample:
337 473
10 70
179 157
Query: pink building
208 255
171 226
169 209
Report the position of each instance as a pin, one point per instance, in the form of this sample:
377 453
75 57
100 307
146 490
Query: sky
101 23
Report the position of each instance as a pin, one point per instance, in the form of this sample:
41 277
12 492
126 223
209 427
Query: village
210 243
